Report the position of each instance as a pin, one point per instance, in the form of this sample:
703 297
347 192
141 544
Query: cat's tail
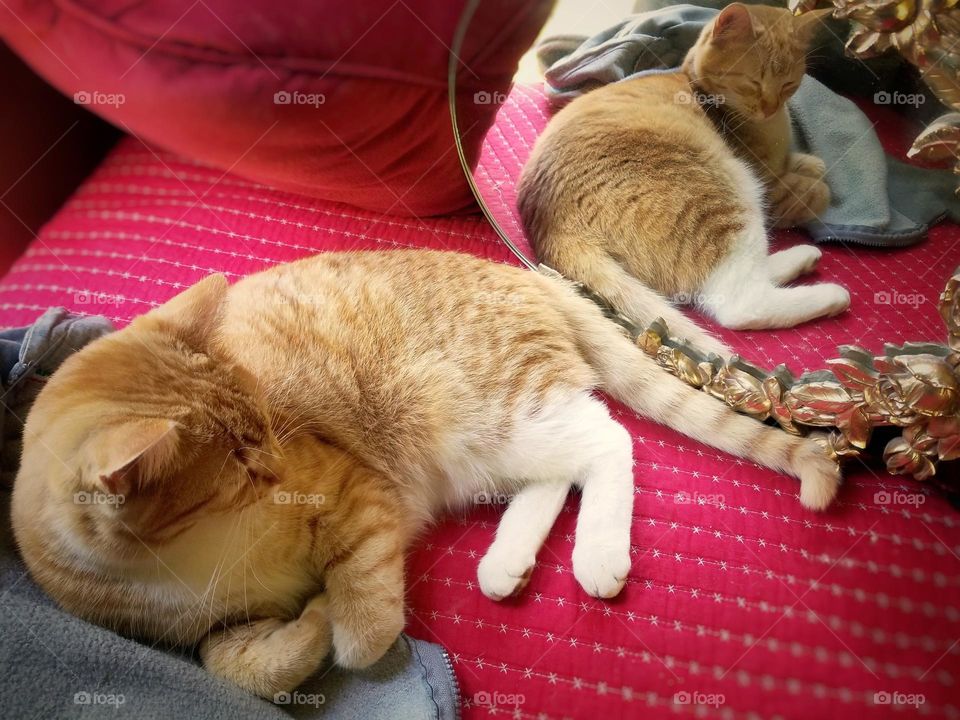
633 378
590 264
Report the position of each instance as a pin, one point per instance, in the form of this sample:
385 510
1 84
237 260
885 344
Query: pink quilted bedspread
740 603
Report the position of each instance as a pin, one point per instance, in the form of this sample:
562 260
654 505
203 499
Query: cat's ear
733 23
196 312
124 456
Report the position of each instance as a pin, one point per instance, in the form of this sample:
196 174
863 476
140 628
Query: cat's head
751 59
135 440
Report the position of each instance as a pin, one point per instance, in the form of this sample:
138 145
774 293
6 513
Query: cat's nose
768 107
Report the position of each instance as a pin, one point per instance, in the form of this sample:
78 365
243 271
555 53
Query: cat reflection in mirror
663 185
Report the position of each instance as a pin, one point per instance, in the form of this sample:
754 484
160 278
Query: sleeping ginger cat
245 467
660 184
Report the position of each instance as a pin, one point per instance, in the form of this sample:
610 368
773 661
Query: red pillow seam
222 57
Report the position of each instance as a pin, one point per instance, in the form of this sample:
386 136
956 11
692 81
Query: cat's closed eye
788 88
255 464
247 461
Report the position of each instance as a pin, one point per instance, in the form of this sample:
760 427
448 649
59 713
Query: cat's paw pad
819 473
502 574
836 298
601 570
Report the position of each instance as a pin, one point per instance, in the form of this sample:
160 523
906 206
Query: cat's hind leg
762 305
571 441
789 264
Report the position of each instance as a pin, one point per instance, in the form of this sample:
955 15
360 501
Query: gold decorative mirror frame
927 34
915 387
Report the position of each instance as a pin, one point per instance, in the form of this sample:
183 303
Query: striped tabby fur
277 446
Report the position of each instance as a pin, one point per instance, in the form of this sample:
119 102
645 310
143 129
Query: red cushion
741 593
366 119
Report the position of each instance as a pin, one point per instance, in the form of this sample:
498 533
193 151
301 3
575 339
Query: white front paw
601 568
837 298
502 574
809 257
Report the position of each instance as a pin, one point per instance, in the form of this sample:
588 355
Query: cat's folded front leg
800 194
801 198
809 165
270 656
366 590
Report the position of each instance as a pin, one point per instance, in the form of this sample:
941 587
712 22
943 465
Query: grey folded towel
877 200
58 666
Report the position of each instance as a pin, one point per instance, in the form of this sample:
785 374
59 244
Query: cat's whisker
290 420
216 478
293 420
246 564
213 584
261 451
294 431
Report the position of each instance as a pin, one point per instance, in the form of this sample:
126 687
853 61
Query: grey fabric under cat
58 666
877 200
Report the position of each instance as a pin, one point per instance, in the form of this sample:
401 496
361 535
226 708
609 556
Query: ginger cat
659 184
245 467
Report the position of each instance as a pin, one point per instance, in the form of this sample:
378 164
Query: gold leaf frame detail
914 387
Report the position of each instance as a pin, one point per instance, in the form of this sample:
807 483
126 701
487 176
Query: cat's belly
479 472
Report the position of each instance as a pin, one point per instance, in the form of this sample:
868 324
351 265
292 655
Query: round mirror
861 241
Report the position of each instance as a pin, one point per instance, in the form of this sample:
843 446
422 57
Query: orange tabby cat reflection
663 185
